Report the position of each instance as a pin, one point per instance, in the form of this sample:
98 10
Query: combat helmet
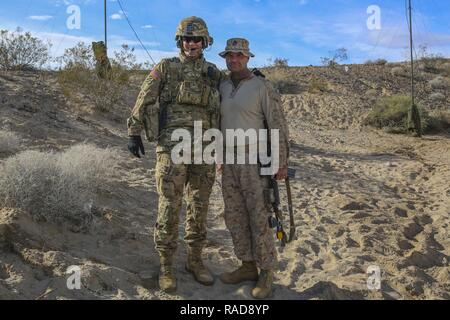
193 27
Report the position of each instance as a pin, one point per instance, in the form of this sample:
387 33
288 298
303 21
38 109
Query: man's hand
281 174
219 168
135 144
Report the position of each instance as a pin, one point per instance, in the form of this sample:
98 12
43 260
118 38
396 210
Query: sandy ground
362 198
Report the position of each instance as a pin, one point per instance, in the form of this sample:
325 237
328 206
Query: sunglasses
193 39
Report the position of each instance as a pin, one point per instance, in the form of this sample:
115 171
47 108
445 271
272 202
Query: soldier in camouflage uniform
248 102
177 92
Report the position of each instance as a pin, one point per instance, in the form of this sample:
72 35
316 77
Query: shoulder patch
155 74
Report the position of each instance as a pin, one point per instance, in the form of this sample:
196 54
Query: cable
409 26
137 37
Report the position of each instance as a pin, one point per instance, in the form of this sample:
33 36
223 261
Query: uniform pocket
193 93
151 123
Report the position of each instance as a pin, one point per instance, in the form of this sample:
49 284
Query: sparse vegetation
399 72
22 51
78 75
445 68
317 85
278 62
56 187
429 61
439 121
391 113
437 97
9 142
378 62
439 83
334 57
281 82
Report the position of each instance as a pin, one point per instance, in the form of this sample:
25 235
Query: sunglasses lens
193 39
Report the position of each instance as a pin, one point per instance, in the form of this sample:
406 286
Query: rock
401 212
412 230
428 259
355 206
404 245
350 243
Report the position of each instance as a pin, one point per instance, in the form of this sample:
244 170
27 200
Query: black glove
135 144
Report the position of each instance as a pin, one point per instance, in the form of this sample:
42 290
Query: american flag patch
155 74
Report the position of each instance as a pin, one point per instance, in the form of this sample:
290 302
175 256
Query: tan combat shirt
248 105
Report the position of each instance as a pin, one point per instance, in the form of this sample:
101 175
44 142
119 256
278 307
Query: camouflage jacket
176 93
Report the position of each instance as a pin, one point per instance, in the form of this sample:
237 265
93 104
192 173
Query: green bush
391 113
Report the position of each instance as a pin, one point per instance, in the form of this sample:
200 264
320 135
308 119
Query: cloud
40 18
147 26
116 16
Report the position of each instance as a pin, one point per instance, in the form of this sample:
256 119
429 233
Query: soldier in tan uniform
250 102
177 92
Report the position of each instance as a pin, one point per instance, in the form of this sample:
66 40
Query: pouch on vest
151 123
193 93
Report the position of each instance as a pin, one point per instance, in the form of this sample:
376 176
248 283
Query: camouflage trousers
246 214
172 180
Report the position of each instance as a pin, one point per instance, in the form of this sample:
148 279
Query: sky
301 31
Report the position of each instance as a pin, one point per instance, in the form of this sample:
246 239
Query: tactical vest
189 93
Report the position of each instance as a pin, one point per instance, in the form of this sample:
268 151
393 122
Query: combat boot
264 285
246 272
195 266
167 280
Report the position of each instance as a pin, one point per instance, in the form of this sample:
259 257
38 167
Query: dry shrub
78 75
437 97
439 83
445 69
378 62
439 121
22 51
399 72
281 81
57 187
9 142
317 85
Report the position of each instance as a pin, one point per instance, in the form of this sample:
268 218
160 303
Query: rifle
277 221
